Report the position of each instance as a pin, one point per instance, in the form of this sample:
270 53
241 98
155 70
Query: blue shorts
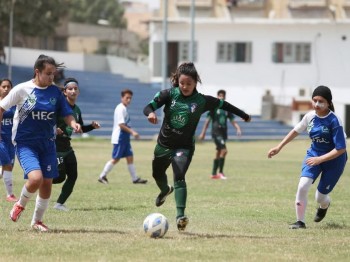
7 152
330 171
38 155
122 150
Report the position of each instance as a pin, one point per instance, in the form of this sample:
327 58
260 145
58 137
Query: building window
234 52
184 52
291 53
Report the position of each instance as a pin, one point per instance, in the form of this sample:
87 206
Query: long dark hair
42 60
187 69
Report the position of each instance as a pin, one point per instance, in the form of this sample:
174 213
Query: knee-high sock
8 182
180 197
108 167
322 199
215 166
301 197
132 171
25 196
40 208
221 164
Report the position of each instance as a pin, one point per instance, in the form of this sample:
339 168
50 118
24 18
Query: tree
33 18
91 11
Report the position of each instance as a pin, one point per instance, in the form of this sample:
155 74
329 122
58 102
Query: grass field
243 218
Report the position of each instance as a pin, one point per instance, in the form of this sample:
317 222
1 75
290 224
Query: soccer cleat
182 223
297 225
11 198
162 196
320 214
40 226
60 207
222 176
16 211
103 180
140 181
215 176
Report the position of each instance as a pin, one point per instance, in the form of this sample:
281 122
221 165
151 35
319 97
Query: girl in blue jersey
326 156
38 103
7 149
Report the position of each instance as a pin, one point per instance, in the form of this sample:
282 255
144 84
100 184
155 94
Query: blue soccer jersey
36 111
326 132
7 123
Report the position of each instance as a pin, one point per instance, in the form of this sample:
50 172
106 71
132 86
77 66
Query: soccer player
7 149
183 107
326 157
68 167
38 103
219 118
121 140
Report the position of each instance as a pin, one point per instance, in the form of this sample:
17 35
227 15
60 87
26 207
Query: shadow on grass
209 236
332 225
94 231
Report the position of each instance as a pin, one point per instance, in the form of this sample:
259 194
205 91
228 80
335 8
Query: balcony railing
307 3
198 3
251 3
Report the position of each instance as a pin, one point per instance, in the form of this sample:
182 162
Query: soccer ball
155 225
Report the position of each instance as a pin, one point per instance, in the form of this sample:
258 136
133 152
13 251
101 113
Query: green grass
244 218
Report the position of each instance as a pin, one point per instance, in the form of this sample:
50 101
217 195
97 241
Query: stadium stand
100 93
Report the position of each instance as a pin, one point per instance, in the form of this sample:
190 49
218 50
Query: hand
59 131
313 161
273 151
152 118
77 128
135 134
95 125
239 133
201 136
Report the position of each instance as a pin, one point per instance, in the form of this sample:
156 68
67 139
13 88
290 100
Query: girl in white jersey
38 102
326 157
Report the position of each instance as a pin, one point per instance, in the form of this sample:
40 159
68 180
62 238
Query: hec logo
42 115
193 107
53 101
179 119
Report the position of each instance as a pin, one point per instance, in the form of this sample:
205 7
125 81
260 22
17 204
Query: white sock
301 197
40 208
25 196
8 182
108 167
132 172
322 199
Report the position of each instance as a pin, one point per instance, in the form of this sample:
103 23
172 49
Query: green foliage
90 11
243 218
33 18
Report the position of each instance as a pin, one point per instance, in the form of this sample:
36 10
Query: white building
286 46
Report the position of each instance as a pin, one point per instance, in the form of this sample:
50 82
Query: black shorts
220 142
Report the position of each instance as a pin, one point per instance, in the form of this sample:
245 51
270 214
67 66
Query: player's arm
212 103
204 129
289 137
129 130
157 102
70 121
237 127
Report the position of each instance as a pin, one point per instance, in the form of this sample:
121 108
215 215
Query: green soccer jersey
182 114
219 118
63 141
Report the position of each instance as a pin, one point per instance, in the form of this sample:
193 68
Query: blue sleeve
63 107
339 138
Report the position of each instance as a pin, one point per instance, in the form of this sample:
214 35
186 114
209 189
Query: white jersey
36 112
121 116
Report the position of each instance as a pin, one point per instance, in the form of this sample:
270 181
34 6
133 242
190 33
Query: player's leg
222 154
71 168
331 172
160 163
131 167
180 163
117 151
